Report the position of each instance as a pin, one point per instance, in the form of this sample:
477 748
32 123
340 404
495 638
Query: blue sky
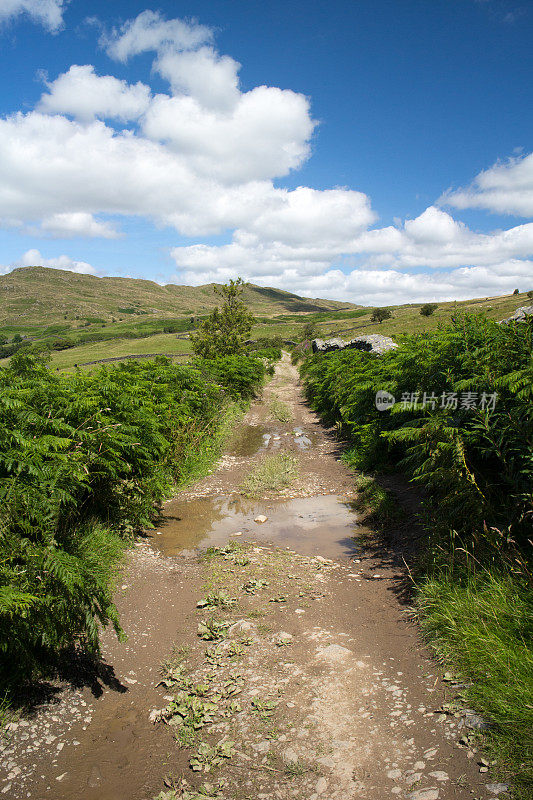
377 151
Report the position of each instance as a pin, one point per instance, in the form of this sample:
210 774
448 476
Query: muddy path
302 674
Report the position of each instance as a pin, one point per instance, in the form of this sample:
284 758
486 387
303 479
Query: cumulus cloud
78 223
48 13
151 31
203 74
49 164
83 94
33 258
505 188
266 135
379 287
309 234
308 217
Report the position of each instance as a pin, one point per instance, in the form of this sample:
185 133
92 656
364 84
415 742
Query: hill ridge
40 295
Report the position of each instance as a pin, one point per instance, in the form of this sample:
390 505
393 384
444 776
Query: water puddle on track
319 525
250 440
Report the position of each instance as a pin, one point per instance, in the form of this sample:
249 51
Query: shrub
476 463
83 461
241 376
380 314
428 309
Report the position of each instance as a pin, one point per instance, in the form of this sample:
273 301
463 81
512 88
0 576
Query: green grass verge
198 459
480 625
379 504
482 628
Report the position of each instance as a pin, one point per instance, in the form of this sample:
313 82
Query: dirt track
338 698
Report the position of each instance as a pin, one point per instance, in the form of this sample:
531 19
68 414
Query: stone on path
497 788
289 756
424 794
334 652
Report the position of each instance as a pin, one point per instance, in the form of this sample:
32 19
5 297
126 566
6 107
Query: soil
315 684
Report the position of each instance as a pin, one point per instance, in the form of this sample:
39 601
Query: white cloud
84 95
434 226
265 135
308 217
310 233
506 188
67 225
379 287
203 74
48 13
151 31
49 164
33 258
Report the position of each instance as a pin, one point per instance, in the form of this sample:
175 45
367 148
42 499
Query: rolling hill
35 296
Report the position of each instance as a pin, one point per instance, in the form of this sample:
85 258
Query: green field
165 343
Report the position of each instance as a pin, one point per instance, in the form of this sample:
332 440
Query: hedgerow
476 463
84 461
241 376
473 579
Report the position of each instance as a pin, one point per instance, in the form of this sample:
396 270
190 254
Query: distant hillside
33 296
81 318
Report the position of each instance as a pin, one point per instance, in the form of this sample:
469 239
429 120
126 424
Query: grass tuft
483 627
273 472
280 410
378 504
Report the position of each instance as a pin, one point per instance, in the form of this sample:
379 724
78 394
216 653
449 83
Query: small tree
226 329
379 314
428 309
310 331
516 291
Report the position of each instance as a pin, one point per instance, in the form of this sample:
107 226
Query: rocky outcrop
520 315
371 343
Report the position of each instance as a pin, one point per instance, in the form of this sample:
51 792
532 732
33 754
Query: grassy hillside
83 318
32 297
407 318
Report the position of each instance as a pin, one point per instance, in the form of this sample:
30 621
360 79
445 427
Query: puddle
321 525
252 439
303 440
